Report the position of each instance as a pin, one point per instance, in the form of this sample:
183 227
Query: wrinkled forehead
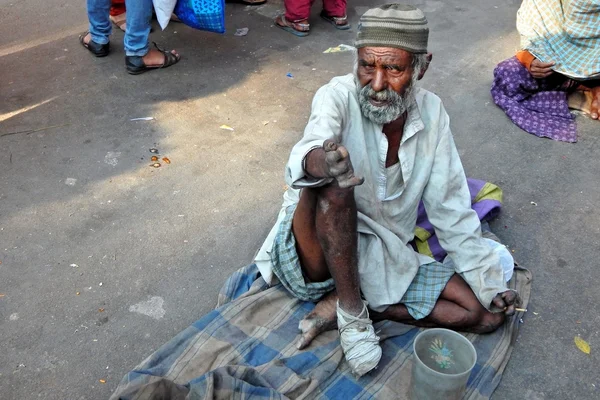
385 55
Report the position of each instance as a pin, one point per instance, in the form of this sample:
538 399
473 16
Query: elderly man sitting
374 147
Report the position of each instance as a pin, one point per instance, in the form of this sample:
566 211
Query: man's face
385 76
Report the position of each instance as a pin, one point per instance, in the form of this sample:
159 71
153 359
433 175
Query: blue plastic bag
206 15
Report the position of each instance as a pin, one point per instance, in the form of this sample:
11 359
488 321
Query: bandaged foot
358 340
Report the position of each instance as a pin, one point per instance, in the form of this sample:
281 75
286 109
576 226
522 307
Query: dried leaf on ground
582 345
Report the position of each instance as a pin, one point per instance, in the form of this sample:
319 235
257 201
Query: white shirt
431 170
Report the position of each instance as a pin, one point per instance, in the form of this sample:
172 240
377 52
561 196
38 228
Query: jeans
139 15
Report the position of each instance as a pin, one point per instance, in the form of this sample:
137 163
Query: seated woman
560 56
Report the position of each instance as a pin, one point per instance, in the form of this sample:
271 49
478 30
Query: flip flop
300 29
135 64
97 49
335 21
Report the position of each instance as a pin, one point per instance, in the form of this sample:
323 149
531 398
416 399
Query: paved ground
86 225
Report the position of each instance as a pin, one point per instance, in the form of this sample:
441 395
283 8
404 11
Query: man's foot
359 341
299 28
595 110
154 59
120 21
323 318
97 49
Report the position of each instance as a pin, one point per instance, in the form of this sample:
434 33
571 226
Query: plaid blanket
564 31
245 349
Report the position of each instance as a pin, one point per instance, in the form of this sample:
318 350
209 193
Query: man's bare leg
457 308
324 227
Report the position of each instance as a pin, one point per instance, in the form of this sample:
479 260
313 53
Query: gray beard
397 105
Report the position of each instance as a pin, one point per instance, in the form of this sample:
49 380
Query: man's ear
428 59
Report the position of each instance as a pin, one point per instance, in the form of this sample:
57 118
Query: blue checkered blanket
245 349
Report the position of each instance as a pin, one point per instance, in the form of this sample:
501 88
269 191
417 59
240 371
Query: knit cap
394 25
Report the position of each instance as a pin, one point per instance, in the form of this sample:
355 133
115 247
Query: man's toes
490 322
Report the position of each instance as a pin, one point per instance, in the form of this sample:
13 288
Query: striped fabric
245 349
394 25
564 31
286 264
426 288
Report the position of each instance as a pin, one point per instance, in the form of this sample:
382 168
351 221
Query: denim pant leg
100 26
139 15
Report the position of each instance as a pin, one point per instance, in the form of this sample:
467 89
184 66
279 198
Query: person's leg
118 15
334 12
295 19
100 27
324 227
139 58
139 15
325 230
335 8
457 308
297 10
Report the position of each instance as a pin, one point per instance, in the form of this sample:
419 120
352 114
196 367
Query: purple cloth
486 208
537 106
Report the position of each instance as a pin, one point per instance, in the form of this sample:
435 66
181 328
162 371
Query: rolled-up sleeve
448 204
327 118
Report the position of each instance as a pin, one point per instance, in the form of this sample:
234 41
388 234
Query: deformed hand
507 301
541 70
338 165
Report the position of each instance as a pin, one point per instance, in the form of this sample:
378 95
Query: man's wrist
308 164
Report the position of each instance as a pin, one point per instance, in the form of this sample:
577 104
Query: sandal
300 28
135 64
339 22
97 49
120 21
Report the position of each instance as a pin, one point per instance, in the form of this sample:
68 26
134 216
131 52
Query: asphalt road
104 258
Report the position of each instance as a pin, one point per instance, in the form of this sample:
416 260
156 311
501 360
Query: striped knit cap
394 25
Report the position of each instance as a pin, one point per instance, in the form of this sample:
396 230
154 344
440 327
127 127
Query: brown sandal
135 64
299 28
119 21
